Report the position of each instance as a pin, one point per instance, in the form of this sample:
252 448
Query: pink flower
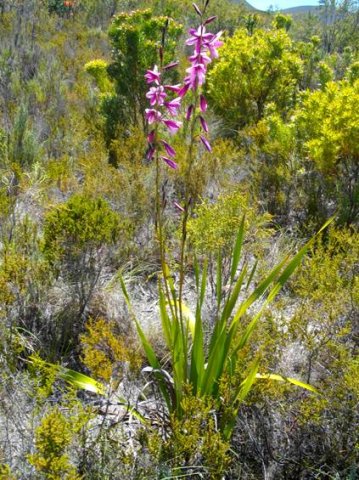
178 206
170 65
152 115
204 124
198 37
151 136
170 162
172 125
189 112
203 103
206 143
173 105
153 75
197 75
209 20
200 58
195 6
156 95
150 152
182 92
170 150
173 88
214 44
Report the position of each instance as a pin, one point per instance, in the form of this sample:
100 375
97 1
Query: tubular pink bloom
170 150
156 95
153 75
206 143
172 125
214 44
178 206
204 124
182 92
170 65
197 75
203 105
209 20
151 136
197 9
198 38
173 105
173 88
199 58
152 115
170 162
150 152
189 112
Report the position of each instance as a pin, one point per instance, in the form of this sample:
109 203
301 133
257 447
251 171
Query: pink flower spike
204 124
203 105
170 150
152 115
178 206
173 88
153 75
210 20
206 143
170 162
173 105
172 125
151 136
171 65
189 112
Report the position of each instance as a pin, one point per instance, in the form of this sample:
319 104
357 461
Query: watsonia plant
196 362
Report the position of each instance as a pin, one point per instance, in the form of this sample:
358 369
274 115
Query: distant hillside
292 11
245 4
301 10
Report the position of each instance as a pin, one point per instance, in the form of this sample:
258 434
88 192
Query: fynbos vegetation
178 241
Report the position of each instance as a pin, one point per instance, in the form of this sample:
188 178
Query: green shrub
80 226
215 225
53 438
80 238
253 71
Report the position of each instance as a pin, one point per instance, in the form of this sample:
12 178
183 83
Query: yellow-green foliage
21 268
252 71
52 440
5 473
104 348
328 125
328 286
82 223
216 224
324 322
275 166
98 70
129 187
195 445
352 73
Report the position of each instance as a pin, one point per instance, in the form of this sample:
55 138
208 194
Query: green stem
186 214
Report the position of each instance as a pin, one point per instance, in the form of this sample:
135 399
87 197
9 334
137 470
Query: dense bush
254 71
